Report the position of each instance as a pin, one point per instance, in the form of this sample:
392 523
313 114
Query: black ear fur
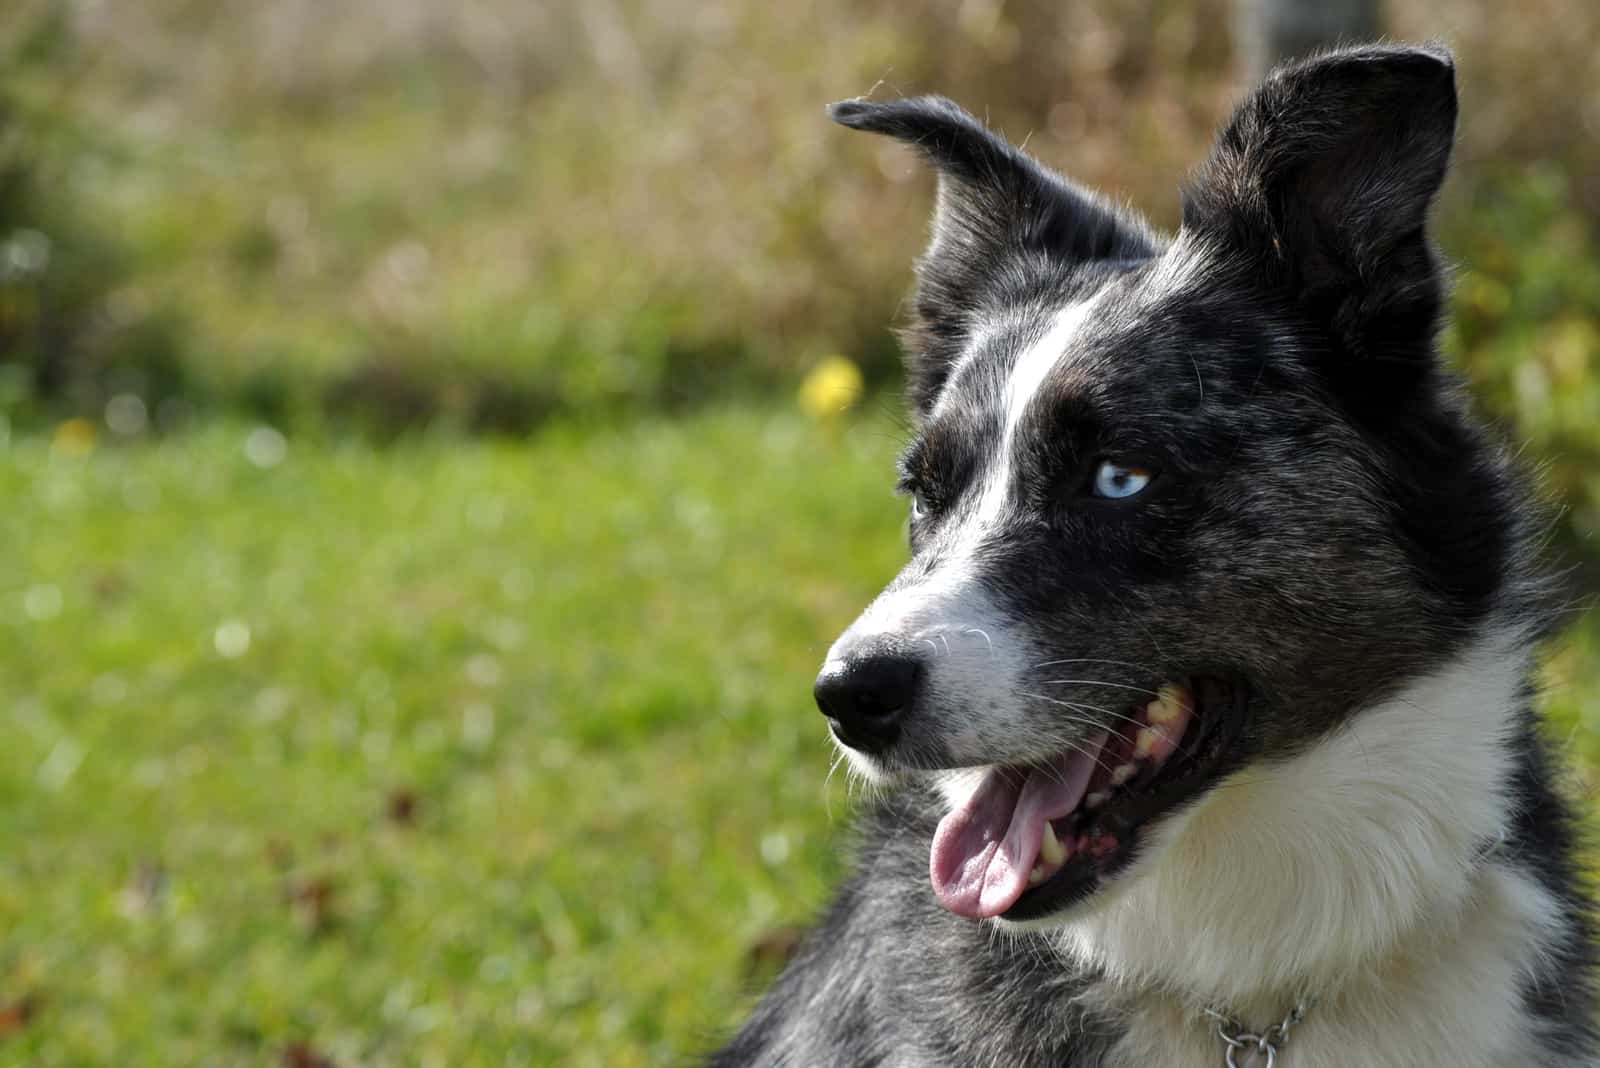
996 204
1324 177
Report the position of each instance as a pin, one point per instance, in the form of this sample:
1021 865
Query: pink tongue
984 850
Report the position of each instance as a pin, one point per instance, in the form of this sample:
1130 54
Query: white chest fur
1352 871
1448 999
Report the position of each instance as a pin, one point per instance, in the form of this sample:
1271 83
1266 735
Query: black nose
863 698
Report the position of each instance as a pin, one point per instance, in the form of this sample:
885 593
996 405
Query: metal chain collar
1258 1048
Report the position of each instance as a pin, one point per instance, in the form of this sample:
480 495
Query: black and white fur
1328 524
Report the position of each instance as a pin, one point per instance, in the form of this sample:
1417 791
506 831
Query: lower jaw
1214 754
1079 879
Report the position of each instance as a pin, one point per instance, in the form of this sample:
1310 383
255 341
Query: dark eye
1115 481
920 507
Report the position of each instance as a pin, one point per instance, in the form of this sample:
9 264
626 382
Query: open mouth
1030 841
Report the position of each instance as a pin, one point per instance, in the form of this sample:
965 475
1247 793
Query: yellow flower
831 388
75 437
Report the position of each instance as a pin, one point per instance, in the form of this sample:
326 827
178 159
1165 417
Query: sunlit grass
460 753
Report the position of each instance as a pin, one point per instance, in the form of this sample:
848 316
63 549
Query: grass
454 752
463 752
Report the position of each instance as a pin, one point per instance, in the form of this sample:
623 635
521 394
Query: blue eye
1115 481
919 506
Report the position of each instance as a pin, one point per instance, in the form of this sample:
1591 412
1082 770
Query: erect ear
996 206
1324 176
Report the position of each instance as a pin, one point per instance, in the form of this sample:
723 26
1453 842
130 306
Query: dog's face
1176 505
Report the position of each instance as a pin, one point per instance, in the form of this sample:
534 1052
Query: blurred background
439 441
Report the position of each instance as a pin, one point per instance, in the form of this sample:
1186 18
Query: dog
1201 717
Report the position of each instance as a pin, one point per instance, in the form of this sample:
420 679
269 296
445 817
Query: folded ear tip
1437 54
1438 50
889 116
1432 49
1432 55
849 112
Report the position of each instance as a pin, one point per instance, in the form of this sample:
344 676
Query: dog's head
1180 505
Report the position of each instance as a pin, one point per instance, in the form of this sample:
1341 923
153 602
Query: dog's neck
1446 995
1356 871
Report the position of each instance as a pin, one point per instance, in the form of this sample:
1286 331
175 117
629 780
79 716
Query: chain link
1263 1047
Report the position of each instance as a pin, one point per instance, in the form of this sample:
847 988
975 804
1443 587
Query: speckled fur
1328 524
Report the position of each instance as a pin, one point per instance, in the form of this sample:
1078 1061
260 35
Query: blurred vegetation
397 213
375 688
393 203
1527 330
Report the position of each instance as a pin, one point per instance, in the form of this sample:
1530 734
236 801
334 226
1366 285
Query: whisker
1058 777
1086 660
982 634
1051 773
838 758
1084 706
1087 723
1088 708
1095 682
1092 756
1048 772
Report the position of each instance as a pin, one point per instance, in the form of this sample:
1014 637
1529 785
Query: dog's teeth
1037 875
1168 707
1145 742
1050 850
1122 773
1095 800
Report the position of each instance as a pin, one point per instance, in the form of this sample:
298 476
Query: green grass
586 658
